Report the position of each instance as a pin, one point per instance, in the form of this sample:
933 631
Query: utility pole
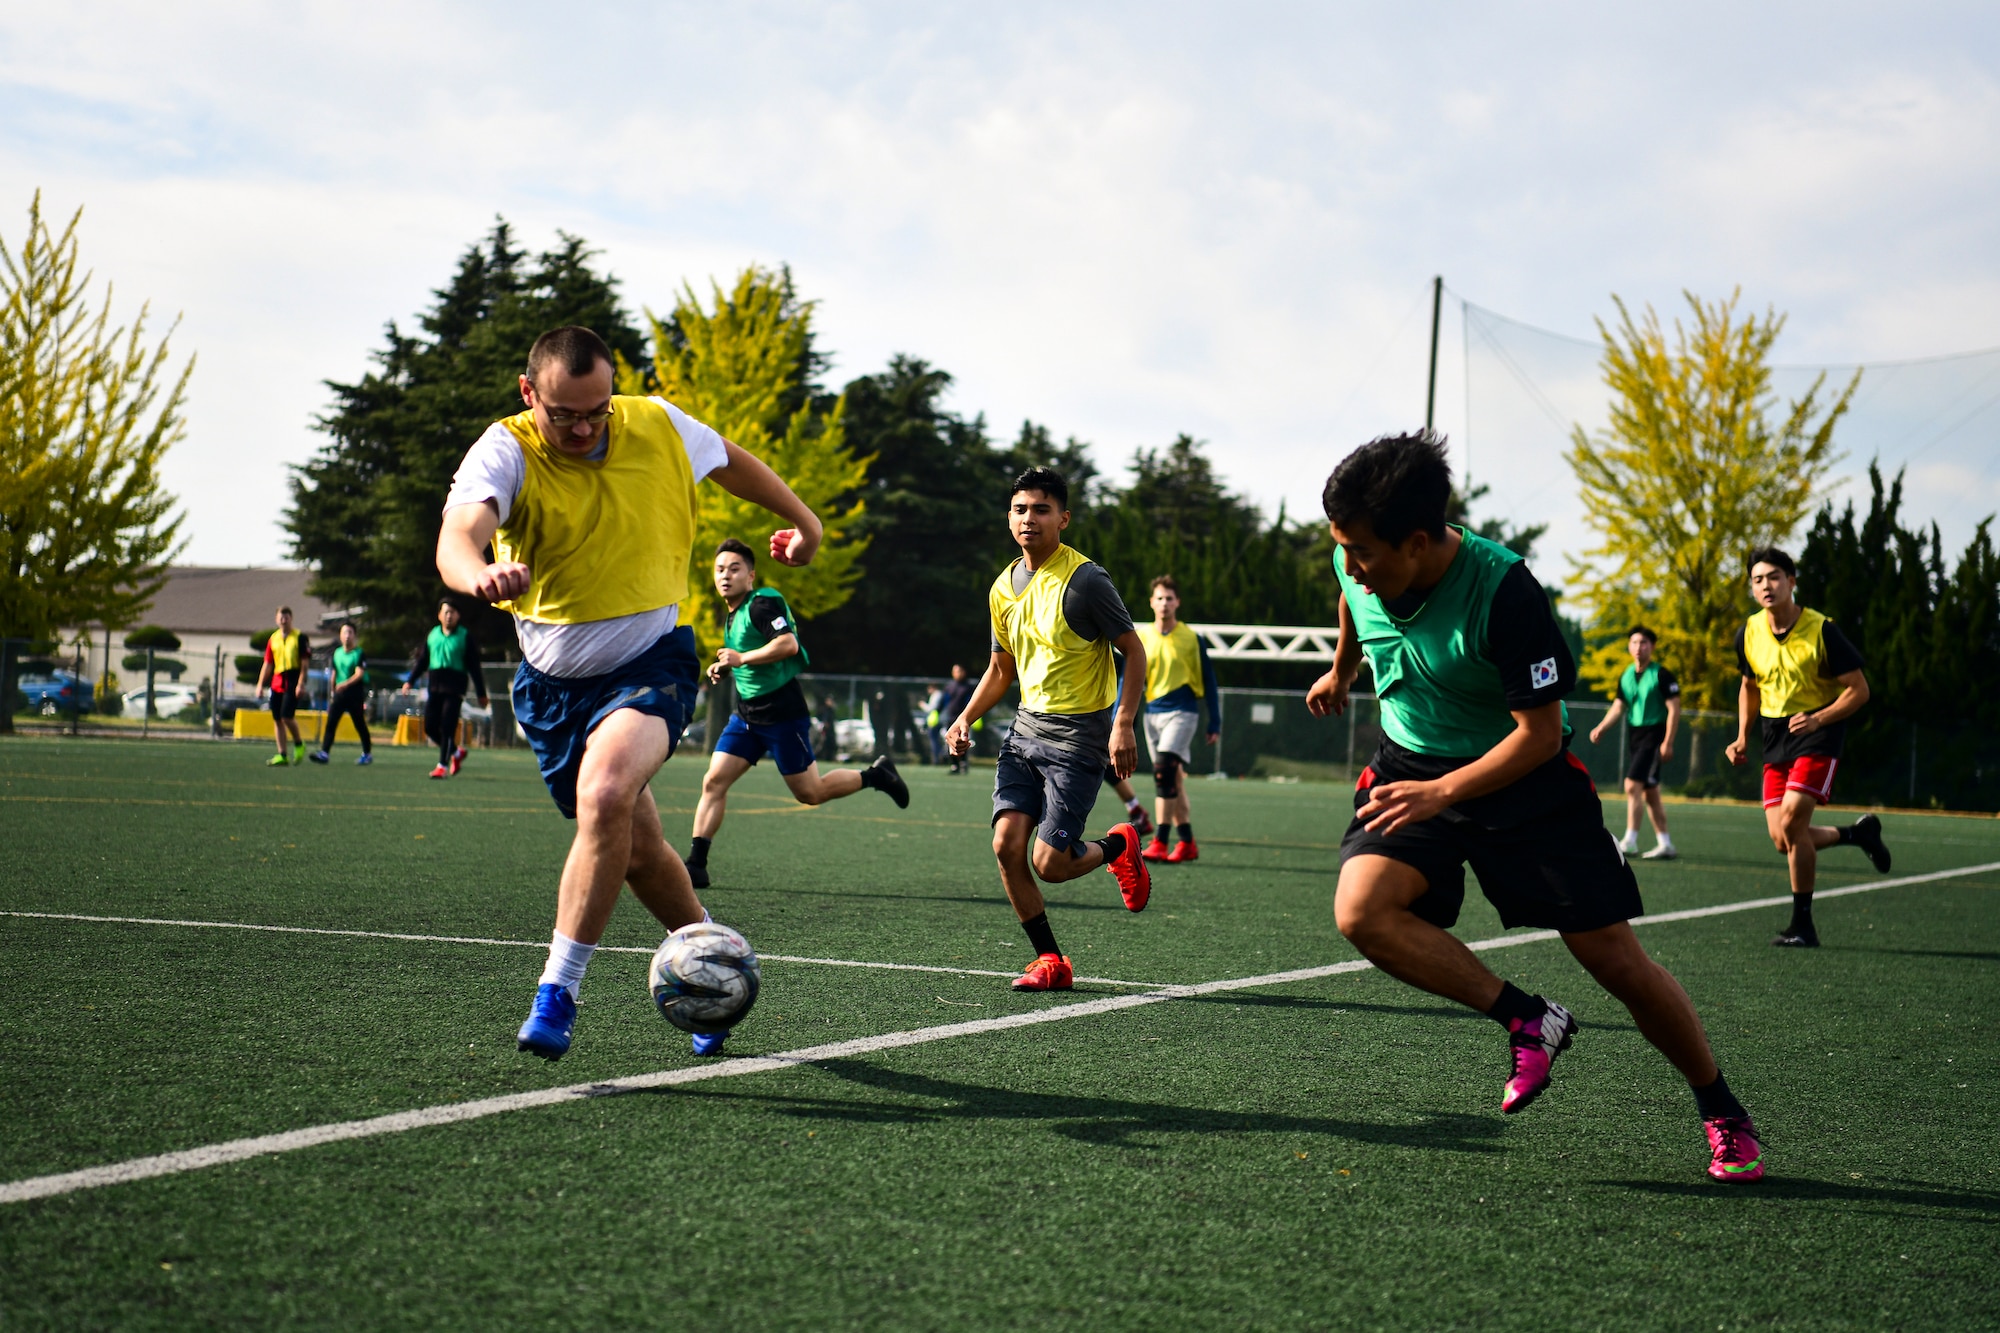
1437 310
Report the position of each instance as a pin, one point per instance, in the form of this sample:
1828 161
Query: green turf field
1317 1154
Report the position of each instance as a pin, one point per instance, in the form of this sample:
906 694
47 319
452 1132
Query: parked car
167 700
53 692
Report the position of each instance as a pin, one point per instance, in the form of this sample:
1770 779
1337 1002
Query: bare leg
1635 797
1792 832
1658 1005
623 754
658 878
1372 908
723 770
1658 808
812 787
1011 831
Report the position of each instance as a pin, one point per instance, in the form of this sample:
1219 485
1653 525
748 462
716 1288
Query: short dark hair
576 347
1399 483
284 610
1771 555
1641 629
1165 581
734 547
1044 479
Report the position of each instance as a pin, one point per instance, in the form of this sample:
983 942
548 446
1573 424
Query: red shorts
1809 773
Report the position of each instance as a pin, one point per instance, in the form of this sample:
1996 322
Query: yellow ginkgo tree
744 367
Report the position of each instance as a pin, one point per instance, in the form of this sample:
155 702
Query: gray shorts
1054 787
1172 733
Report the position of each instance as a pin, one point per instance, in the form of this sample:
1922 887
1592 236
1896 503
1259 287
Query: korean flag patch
1542 674
777 622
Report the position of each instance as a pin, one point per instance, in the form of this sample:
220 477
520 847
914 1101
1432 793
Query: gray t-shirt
1094 609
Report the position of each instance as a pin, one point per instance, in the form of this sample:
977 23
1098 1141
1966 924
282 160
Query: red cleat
440 772
1135 881
1156 850
457 760
1184 851
1049 971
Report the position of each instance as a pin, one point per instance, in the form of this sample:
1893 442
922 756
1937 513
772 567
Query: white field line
531 944
238 1150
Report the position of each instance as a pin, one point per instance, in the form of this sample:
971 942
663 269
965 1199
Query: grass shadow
1907 1193
1108 1122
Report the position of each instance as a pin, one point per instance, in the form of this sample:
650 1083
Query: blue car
52 692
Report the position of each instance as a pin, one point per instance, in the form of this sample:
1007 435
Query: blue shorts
788 743
558 713
1055 787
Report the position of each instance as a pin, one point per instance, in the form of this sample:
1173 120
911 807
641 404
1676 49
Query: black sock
1040 937
1716 1099
871 777
1516 1003
698 851
1843 833
1113 845
1801 913
1186 831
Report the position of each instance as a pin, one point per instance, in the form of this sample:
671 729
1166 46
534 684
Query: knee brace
1167 776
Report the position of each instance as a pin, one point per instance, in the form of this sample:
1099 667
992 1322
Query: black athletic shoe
699 874
1797 939
888 780
1867 835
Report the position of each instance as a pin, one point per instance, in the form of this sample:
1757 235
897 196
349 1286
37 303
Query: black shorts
284 703
1557 868
1642 763
1054 787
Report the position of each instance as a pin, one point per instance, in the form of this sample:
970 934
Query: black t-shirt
1838 656
1526 646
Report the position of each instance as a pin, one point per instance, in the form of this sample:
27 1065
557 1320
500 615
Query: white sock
1135 807
1665 840
1631 841
567 959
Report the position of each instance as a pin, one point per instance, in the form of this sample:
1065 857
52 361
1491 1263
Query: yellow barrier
258 725
410 731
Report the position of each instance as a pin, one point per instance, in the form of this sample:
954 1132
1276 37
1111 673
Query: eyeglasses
562 418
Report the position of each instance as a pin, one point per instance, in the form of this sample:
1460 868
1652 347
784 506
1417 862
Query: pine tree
1695 470
366 510
746 368
87 414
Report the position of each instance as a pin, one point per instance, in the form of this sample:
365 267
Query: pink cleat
1536 1045
1735 1154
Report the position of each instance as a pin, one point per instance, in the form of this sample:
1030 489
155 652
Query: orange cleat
1184 851
457 760
1049 971
1156 850
440 772
1135 881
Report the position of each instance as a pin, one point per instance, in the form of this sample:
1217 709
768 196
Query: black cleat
699 874
888 780
1866 833
1797 939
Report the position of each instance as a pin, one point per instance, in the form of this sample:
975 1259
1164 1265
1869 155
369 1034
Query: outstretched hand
790 546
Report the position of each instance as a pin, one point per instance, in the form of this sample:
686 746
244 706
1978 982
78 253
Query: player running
761 648
1470 670
1804 678
957 691
1650 696
449 659
348 698
1056 618
588 500
1179 677
286 654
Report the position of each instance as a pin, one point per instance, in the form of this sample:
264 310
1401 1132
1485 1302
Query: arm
360 670
1853 694
1673 726
777 650
747 477
461 555
1212 691
1329 693
1536 739
993 686
1124 742
1747 702
420 664
1616 711
264 672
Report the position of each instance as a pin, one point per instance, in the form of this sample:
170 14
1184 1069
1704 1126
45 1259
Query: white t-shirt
493 469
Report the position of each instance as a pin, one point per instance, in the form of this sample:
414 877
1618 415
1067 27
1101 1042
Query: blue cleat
546 1033
710 1043
365 760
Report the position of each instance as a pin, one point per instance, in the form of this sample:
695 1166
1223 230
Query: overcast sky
1121 220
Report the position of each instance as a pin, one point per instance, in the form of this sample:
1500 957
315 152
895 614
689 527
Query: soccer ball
704 978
